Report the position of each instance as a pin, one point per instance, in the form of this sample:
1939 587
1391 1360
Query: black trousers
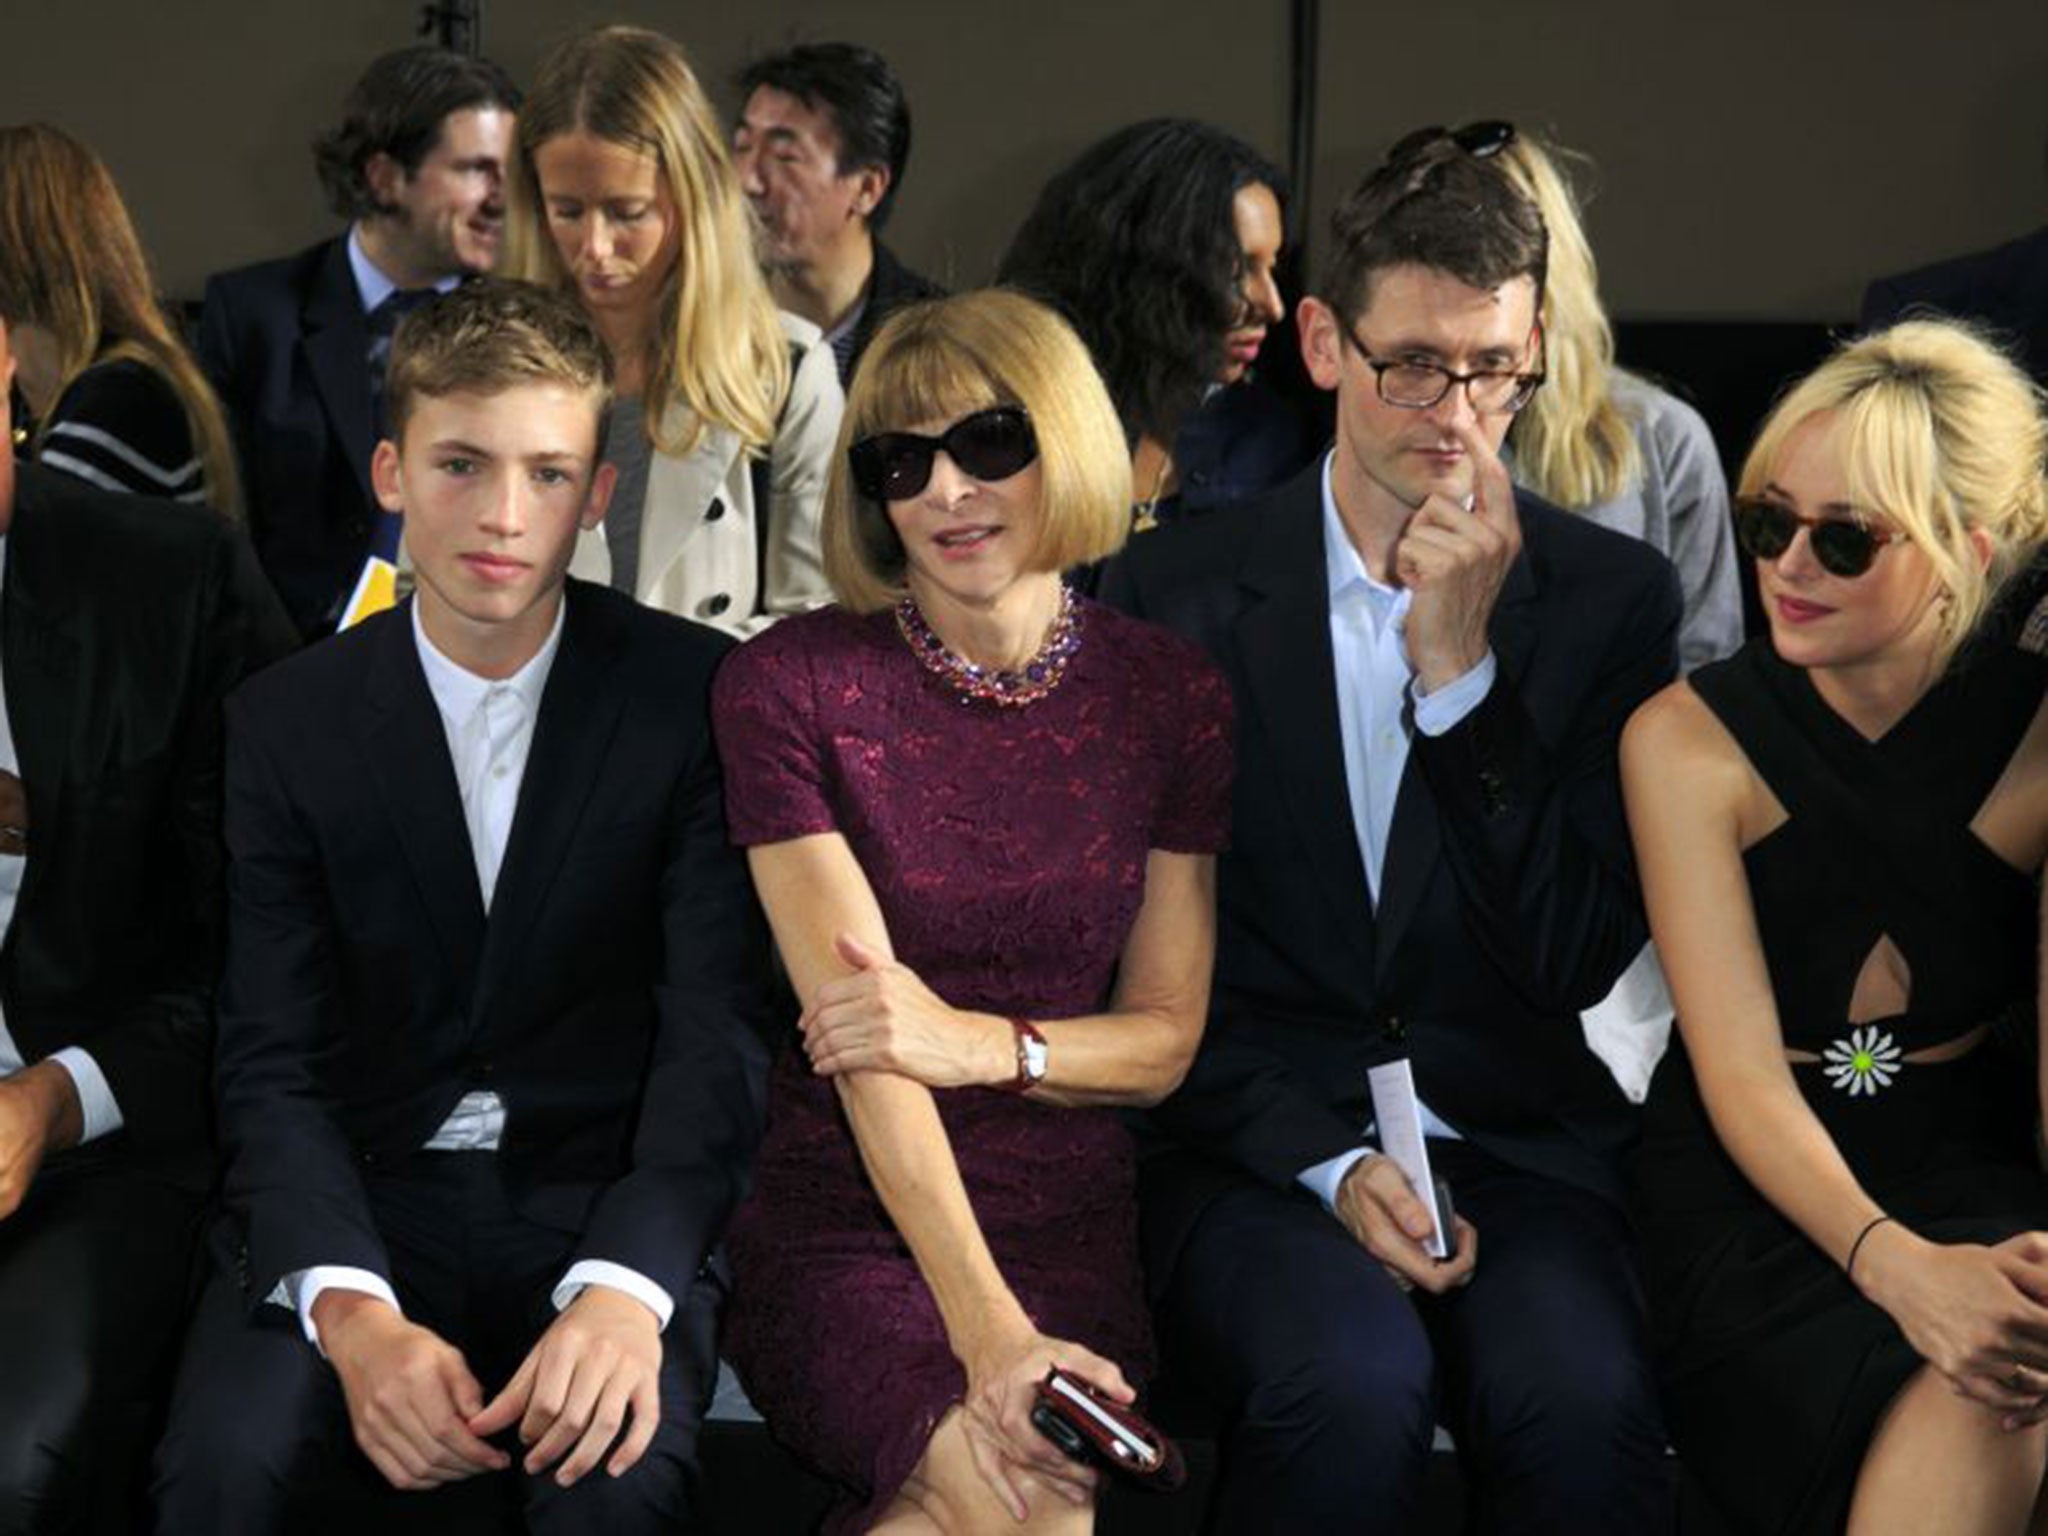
259 1438
94 1279
1332 1379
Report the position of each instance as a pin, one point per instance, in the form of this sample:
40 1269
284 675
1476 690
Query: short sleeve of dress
1194 802
764 712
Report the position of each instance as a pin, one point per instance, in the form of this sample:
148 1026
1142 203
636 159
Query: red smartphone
1092 1428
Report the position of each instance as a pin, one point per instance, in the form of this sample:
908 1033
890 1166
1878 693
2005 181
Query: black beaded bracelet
1849 1267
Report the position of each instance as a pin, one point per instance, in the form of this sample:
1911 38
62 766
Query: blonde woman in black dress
1840 831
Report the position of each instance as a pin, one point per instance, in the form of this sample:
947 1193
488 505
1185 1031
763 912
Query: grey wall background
1756 159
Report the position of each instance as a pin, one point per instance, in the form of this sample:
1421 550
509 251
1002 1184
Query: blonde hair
1941 435
1574 445
492 335
719 347
71 265
942 360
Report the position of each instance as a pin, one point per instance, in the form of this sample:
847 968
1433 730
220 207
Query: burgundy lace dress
1007 849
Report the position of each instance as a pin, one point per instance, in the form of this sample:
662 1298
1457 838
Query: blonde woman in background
1599 441
625 195
118 398
1614 448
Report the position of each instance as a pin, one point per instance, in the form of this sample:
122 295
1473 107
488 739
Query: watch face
1034 1058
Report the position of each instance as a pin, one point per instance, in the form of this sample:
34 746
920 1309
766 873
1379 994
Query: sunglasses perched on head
1844 546
989 445
1480 140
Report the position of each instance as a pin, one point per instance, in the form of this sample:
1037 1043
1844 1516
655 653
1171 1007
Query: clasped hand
1379 1209
419 1413
882 1017
1454 561
1002 1386
1974 1313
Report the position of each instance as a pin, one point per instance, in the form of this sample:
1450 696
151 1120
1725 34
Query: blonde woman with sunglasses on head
1840 832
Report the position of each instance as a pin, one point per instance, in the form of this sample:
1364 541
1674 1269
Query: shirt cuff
1324 1178
302 1287
98 1113
587 1272
1436 713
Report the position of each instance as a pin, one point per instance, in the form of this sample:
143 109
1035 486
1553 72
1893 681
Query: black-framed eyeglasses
1844 546
1416 386
991 444
1480 140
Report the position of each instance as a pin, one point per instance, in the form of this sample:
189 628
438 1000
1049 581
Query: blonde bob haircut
934 363
718 347
1574 445
1941 436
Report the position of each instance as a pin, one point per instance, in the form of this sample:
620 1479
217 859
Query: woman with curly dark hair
1159 244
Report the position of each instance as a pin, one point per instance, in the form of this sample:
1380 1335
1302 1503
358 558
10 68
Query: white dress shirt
1374 682
98 1111
489 723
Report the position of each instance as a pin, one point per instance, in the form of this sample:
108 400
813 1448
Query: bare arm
880 1016
1693 805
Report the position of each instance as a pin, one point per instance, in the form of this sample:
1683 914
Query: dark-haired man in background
1428 861
821 144
296 346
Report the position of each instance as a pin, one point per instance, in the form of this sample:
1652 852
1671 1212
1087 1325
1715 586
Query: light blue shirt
372 286
1374 684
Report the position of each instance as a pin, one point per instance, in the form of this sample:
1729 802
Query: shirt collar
457 690
372 286
1346 567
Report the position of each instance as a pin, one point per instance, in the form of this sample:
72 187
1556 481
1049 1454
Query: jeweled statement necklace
995 685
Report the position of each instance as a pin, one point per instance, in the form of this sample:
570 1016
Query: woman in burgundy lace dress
981 812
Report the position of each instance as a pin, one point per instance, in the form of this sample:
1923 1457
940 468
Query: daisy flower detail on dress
1865 1062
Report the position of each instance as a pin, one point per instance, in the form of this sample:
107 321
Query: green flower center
1863 1061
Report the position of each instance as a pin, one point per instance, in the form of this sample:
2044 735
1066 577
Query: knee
1361 1392
221 1470
1588 1404
43 1482
657 1494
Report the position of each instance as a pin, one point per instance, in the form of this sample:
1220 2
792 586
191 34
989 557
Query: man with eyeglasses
1429 874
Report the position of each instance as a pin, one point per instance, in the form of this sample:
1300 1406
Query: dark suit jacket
124 621
890 286
614 997
1508 899
2006 288
286 346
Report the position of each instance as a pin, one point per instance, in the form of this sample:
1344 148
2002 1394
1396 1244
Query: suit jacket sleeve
1240 1103
1534 831
705 1100
155 1057
292 1171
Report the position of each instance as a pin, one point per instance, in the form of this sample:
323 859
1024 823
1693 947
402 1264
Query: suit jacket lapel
1415 839
39 661
1283 636
337 343
579 714
399 731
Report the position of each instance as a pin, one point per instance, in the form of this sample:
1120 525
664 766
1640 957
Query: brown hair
1432 205
488 336
71 265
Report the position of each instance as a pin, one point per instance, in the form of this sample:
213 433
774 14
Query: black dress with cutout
1775 1369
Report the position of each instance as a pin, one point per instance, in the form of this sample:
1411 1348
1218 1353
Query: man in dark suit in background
491 1056
820 146
1428 861
123 623
296 345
